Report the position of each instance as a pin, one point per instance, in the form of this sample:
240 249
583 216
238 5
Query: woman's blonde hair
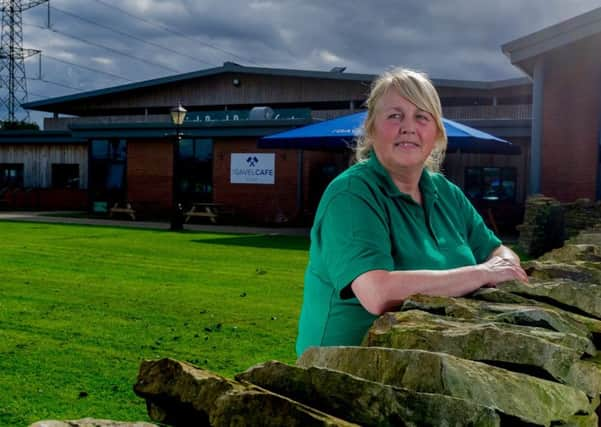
417 88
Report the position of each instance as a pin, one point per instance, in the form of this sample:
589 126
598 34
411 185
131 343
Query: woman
390 226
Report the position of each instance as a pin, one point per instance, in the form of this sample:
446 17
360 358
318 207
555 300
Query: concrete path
236 229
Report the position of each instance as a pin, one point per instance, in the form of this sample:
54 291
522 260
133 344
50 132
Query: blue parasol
340 133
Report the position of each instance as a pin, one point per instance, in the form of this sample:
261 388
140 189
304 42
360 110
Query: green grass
82 306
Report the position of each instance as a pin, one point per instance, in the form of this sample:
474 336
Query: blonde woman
391 226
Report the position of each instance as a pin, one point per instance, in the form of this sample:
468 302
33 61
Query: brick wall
261 203
277 203
149 175
571 120
46 199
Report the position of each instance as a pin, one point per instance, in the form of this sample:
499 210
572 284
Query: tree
18 125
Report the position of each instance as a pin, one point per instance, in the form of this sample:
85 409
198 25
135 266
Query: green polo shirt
365 223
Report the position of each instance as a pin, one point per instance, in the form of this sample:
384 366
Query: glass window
118 150
107 181
100 149
116 176
508 182
203 149
65 175
195 170
186 148
490 183
11 175
472 182
103 149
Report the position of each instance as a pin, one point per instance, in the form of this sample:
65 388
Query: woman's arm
380 290
505 253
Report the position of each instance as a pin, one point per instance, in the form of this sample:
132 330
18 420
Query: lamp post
178 114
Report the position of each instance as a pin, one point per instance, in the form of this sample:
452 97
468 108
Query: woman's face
403 135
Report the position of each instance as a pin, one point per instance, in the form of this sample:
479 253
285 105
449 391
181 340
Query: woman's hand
498 269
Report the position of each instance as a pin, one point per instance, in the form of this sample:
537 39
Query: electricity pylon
13 90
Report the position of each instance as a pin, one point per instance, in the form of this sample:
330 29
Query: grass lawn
82 306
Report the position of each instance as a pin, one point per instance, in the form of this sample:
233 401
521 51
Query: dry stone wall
543 226
514 355
548 223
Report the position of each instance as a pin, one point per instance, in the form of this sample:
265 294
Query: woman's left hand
498 269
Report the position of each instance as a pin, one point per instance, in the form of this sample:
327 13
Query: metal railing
474 112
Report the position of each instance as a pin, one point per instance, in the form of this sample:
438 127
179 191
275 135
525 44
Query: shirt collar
426 184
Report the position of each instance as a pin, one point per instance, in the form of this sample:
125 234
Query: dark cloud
459 39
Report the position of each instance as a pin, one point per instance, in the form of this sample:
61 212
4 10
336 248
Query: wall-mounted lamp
236 82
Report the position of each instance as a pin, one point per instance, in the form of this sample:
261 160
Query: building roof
337 73
521 51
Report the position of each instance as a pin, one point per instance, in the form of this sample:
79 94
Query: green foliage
18 125
82 306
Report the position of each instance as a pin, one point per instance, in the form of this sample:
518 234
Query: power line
89 21
55 83
87 68
37 95
54 30
177 33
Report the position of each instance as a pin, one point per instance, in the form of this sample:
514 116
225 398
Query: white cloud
329 57
102 60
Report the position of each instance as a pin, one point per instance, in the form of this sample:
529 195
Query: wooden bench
123 208
208 210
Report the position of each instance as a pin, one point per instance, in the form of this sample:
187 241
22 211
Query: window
491 183
11 174
65 175
195 170
186 148
104 149
100 149
197 149
107 172
203 150
115 178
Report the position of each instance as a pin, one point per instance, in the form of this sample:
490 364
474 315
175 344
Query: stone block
180 394
366 402
523 397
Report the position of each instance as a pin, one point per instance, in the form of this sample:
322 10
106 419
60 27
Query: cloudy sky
92 44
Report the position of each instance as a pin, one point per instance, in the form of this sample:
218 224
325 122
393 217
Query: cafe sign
252 168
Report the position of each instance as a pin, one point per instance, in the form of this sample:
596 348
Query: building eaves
228 67
486 85
55 104
564 33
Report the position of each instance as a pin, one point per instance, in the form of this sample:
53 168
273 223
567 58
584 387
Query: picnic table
208 210
124 208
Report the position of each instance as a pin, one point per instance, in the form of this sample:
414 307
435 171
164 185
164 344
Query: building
43 169
565 65
129 139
